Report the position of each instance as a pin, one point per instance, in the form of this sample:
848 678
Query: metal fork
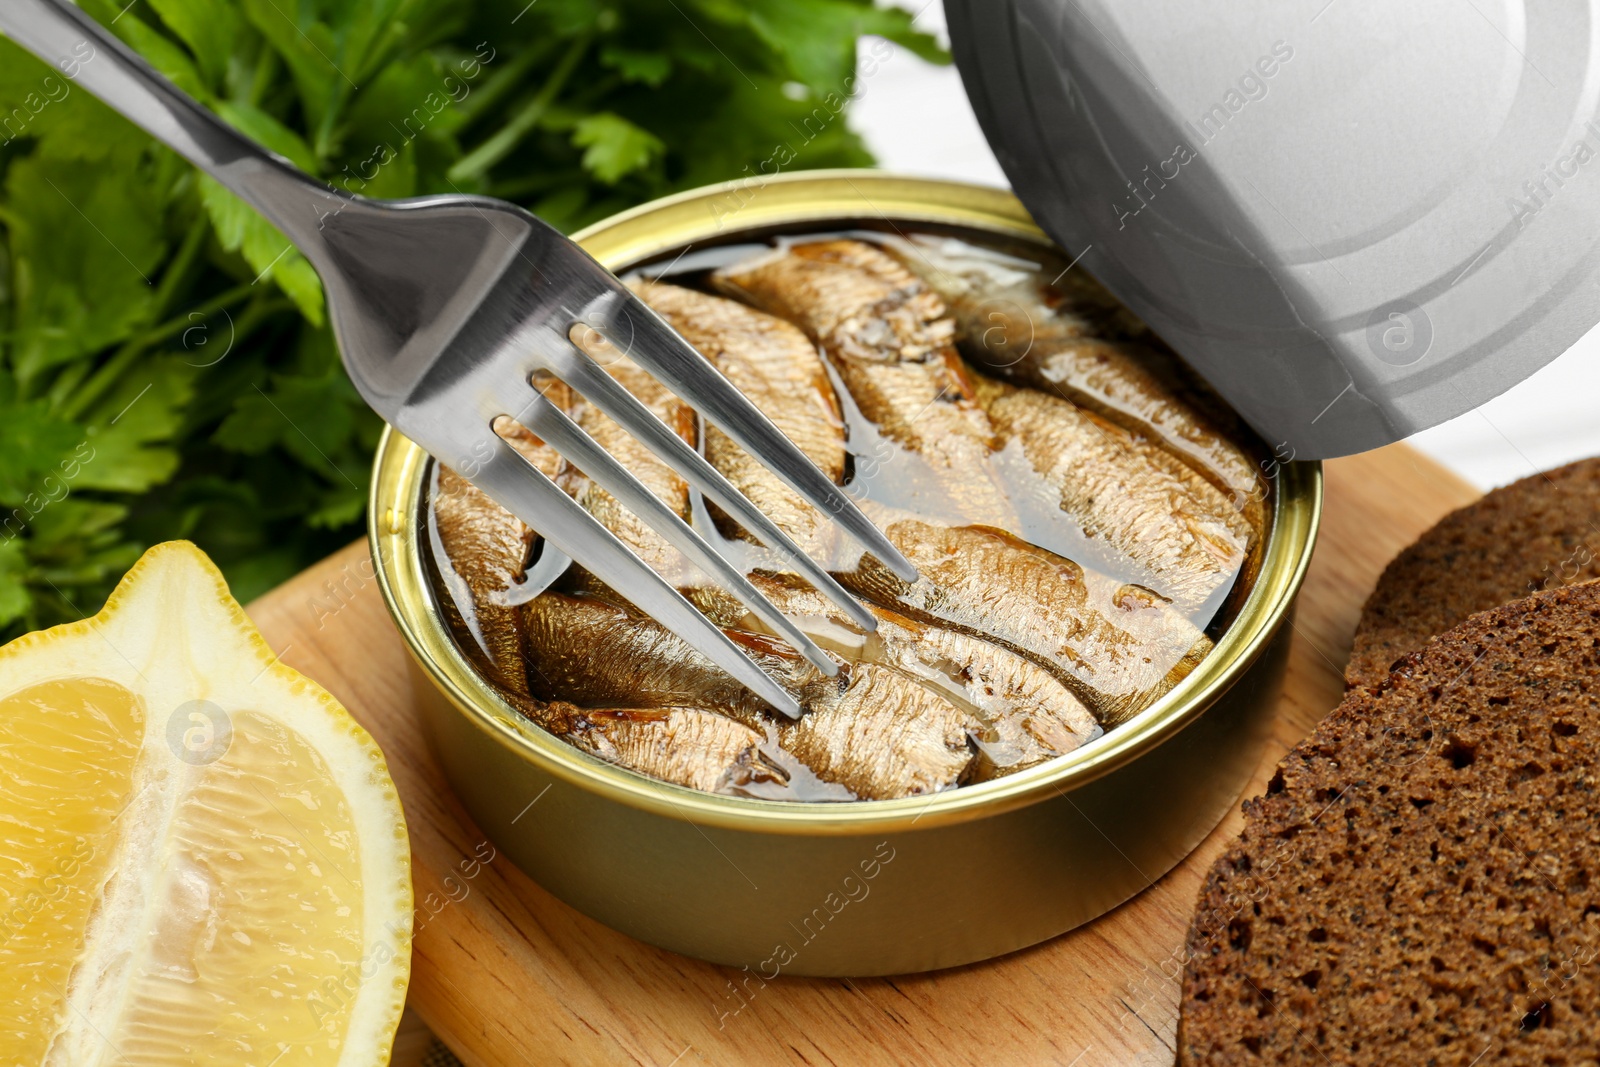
446 306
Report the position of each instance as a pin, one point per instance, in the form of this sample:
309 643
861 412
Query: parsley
165 365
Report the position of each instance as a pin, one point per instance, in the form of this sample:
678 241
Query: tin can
867 887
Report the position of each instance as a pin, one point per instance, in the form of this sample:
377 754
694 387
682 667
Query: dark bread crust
1421 882
1539 533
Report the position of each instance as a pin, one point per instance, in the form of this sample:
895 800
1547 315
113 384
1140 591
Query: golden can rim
655 228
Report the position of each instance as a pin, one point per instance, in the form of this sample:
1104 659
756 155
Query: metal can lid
1355 220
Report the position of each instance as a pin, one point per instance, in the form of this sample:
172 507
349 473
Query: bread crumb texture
1421 882
1537 534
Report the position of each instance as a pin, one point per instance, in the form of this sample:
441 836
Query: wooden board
506 974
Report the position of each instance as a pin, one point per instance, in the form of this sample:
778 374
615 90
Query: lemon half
203 858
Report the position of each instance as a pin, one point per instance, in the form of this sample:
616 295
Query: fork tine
520 488
578 370
558 431
629 324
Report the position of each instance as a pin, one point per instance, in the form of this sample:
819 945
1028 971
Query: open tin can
865 887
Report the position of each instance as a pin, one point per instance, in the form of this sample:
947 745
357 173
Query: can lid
1356 220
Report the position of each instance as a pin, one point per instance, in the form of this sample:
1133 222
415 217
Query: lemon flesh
202 856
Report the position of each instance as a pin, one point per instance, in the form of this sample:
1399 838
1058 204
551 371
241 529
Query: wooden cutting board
506 974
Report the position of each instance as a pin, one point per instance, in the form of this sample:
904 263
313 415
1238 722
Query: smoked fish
774 364
1071 338
893 346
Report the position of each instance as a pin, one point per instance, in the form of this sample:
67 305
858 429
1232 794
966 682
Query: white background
916 119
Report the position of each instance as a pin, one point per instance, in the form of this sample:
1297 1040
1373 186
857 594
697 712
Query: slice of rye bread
1421 882
1539 533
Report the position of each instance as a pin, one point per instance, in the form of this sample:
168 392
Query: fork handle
88 55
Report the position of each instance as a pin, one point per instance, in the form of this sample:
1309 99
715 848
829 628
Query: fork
446 307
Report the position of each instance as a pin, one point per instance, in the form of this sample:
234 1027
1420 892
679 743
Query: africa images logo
199 732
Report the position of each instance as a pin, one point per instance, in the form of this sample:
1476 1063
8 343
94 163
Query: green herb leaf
614 146
83 518
85 248
39 103
211 28
168 58
35 446
14 597
132 431
410 99
650 68
306 45
240 229
270 133
817 37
